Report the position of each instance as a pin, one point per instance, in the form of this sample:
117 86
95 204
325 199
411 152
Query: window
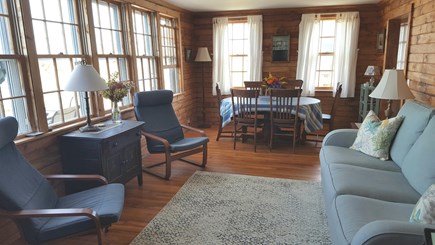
12 93
238 37
403 44
168 38
327 52
109 35
325 60
237 48
58 46
146 59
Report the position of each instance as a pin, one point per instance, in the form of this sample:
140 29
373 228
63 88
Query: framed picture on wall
280 48
380 42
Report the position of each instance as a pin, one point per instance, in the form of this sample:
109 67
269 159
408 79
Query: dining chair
41 215
284 114
221 132
255 85
164 133
293 84
245 105
328 119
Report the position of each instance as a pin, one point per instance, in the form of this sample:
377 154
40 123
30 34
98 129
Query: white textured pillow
375 136
424 210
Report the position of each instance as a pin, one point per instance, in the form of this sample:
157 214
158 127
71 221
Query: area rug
218 208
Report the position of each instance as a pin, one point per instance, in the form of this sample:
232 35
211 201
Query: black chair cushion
153 106
106 200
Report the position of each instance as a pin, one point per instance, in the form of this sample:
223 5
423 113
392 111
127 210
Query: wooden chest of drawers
114 153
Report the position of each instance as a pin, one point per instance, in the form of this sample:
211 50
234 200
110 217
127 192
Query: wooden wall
421 59
43 151
286 21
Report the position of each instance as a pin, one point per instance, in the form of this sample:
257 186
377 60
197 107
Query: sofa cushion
424 210
419 164
355 211
372 183
417 116
336 154
375 136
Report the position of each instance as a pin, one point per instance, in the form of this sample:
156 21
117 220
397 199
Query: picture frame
188 54
380 42
280 48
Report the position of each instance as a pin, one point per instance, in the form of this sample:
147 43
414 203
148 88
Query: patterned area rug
217 208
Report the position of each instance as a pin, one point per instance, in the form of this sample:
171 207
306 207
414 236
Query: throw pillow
424 210
375 136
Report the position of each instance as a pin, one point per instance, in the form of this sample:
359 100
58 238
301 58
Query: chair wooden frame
255 85
284 114
41 213
247 114
293 84
221 133
329 118
178 156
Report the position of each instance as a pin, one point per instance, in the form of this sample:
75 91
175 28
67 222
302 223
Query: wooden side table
114 152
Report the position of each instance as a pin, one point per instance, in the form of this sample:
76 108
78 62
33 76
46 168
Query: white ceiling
227 5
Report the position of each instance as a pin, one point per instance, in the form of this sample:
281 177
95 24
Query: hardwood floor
143 203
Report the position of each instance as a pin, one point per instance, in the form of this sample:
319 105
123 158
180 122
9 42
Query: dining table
310 111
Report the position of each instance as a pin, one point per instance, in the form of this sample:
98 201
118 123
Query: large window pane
169 53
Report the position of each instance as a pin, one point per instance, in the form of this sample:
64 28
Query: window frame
146 80
244 55
177 66
325 54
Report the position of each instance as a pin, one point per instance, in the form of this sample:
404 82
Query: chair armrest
64 212
155 137
390 232
340 137
67 177
199 131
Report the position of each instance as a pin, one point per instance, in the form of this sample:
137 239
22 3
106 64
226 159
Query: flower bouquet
116 92
272 81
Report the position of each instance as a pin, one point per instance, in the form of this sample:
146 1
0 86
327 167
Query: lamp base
89 128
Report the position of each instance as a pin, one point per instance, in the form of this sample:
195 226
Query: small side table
114 152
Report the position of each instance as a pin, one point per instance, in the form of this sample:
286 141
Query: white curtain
346 52
308 50
221 63
255 26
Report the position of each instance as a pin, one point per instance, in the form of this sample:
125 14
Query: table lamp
85 78
372 71
203 56
392 87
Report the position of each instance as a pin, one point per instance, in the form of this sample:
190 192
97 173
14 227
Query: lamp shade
372 71
202 55
85 78
392 86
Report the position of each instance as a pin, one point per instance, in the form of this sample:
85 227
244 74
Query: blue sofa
369 201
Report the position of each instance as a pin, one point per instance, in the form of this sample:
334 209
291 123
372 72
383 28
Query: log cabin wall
43 152
421 57
286 22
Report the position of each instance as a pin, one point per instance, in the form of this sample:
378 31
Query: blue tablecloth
309 110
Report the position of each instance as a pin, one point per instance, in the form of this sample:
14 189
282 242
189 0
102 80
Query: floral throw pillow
375 136
424 210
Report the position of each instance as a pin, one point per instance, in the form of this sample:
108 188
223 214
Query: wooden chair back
245 104
334 105
293 84
255 85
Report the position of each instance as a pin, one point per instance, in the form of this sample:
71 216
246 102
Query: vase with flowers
272 81
115 93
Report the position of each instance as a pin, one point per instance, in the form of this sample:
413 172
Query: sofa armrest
340 137
385 232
